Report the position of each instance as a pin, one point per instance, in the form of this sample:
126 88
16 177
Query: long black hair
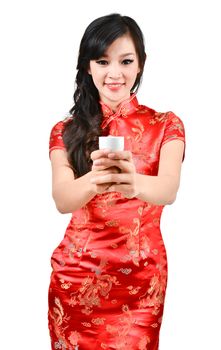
81 133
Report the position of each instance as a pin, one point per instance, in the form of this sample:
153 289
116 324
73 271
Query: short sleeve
174 130
56 140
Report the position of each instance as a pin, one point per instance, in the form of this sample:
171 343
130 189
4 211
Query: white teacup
114 143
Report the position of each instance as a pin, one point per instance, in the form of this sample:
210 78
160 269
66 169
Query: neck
114 105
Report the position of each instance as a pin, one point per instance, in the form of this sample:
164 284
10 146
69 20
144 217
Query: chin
117 95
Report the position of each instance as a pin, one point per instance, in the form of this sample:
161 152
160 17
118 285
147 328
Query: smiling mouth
114 86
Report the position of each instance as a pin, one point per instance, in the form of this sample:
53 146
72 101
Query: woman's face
114 74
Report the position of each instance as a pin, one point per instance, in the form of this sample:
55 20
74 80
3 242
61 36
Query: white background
39 47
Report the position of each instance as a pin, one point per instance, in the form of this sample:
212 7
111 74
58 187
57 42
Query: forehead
121 46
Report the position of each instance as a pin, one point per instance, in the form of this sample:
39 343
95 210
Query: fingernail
97 162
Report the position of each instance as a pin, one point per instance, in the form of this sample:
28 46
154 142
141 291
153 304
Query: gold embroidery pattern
113 296
121 332
154 296
132 243
90 293
143 343
74 338
158 118
138 131
58 318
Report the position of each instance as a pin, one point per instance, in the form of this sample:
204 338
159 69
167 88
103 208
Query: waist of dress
110 213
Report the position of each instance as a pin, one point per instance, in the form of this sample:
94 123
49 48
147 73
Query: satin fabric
109 273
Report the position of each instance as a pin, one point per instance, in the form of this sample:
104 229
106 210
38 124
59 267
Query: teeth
114 85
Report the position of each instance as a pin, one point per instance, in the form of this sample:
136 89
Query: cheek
98 81
97 77
133 74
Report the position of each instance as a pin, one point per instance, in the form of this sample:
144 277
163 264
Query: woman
109 275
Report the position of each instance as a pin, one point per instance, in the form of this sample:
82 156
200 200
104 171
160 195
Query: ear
89 69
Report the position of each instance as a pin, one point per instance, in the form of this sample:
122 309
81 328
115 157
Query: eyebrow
123 55
127 54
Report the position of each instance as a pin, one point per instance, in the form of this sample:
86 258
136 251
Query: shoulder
150 112
56 134
157 117
173 121
60 125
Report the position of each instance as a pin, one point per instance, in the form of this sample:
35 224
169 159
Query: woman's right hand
100 188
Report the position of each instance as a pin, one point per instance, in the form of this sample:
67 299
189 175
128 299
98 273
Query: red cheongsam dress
109 273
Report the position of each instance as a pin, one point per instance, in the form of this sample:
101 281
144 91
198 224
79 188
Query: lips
114 86
114 83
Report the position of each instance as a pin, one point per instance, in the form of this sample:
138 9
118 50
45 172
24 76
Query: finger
102 188
125 155
106 170
99 153
119 178
112 169
126 190
124 166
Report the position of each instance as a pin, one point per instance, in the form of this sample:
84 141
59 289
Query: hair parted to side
81 133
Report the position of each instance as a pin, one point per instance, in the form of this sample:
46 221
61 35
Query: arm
162 189
69 194
158 190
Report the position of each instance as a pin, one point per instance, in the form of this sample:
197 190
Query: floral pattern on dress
109 273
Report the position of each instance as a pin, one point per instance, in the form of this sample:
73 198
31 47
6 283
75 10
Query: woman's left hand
125 181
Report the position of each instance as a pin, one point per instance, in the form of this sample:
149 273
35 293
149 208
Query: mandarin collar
126 107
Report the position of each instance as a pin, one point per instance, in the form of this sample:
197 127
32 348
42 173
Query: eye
102 62
127 61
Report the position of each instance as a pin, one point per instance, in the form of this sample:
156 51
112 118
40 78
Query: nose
114 71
